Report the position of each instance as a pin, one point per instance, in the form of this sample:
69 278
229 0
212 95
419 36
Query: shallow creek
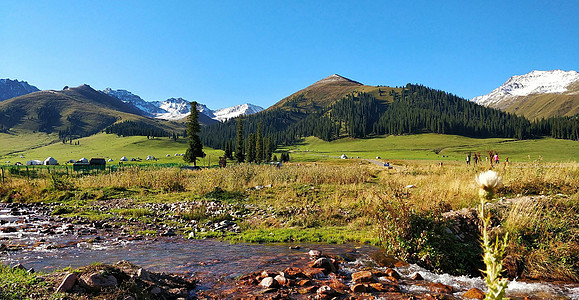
44 243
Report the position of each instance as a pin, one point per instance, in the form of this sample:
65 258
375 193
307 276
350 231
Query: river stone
363 276
67 283
268 282
325 264
441 288
325 290
315 253
314 273
417 276
143 274
155 290
359 288
281 280
380 287
390 272
97 281
474 293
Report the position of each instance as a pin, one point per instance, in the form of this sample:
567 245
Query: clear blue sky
222 53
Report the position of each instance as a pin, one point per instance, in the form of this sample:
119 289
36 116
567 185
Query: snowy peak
536 82
335 78
227 113
14 88
179 108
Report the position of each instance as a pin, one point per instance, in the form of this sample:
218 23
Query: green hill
72 113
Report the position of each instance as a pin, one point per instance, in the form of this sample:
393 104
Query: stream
39 241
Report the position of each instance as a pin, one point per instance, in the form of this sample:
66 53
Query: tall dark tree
259 146
239 149
195 149
250 148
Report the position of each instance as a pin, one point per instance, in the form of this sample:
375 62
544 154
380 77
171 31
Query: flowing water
47 247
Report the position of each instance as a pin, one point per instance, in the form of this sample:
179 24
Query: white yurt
72 161
150 157
82 160
110 160
343 156
50 161
34 162
124 158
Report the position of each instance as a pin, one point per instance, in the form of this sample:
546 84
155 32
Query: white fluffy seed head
489 180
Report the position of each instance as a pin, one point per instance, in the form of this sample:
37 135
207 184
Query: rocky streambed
171 267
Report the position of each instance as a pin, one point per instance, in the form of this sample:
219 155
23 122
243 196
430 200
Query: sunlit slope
435 146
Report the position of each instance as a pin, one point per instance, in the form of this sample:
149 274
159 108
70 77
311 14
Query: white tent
110 160
124 158
343 156
34 162
151 157
50 161
82 160
72 161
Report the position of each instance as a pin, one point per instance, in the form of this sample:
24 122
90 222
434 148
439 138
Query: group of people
476 157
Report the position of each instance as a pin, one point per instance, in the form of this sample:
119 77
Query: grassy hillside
80 111
545 105
108 146
434 147
19 141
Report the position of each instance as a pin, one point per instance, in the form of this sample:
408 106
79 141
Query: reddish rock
441 288
363 276
338 285
400 264
417 276
304 282
474 293
308 290
392 273
325 290
268 282
390 279
67 283
381 287
325 263
293 272
359 288
314 273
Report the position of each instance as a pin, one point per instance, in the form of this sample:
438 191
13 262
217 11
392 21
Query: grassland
104 145
429 147
436 147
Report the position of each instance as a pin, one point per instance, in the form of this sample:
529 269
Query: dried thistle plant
488 182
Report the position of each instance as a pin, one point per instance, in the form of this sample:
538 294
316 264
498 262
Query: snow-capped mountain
227 113
14 88
536 82
179 108
174 108
148 108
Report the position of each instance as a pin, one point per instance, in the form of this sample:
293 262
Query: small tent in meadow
124 158
343 156
50 161
83 160
110 160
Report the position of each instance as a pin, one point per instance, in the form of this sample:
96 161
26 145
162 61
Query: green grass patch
134 212
16 283
331 235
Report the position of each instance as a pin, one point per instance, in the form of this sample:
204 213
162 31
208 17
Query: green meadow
406 147
107 146
435 147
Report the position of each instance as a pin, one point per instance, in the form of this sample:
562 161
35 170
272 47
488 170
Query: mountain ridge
14 88
538 94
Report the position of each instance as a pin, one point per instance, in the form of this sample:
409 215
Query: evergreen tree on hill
239 154
195 149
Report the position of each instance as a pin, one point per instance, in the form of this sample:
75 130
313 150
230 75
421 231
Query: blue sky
222 53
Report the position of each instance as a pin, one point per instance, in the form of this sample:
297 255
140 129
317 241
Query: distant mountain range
179 108
14 88
538 94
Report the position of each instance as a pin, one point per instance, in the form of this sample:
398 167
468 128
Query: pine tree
250 149
239 154
195 149
259 147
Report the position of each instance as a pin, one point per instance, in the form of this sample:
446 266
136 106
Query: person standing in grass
468 159
475 158
496 158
